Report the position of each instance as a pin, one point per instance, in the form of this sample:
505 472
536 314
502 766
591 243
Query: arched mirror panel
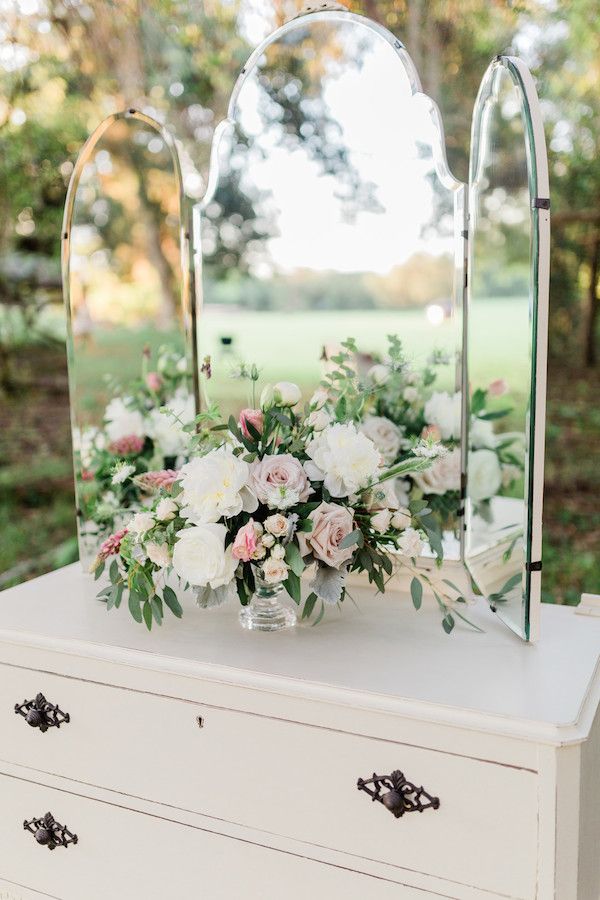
127 293
331 213
509 233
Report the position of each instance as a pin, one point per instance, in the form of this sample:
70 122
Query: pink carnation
154 381
245 544
111 546
127 446
253 417
152 482
498 388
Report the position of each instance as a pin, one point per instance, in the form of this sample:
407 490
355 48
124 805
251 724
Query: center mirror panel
331 214
126 290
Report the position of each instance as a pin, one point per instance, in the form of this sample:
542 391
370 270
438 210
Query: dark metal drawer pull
40 714
399 795
49 833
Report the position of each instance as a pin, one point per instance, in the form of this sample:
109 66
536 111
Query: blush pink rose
280 481
253 417
245 543
431 433
331 524
154 381
498 388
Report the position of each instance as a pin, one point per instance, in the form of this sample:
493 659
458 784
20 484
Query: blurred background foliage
66 64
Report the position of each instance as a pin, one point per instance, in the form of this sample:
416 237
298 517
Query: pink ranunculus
245 544
280 481
253 417
154 381
431 433
498 388
331 524
129 445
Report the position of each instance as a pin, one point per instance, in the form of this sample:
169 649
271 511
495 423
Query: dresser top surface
382 648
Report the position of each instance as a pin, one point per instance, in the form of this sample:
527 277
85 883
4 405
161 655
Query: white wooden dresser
206 762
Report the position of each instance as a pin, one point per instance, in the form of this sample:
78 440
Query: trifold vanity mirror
331 212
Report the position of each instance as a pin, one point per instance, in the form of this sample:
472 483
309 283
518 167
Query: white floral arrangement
282 495
137 446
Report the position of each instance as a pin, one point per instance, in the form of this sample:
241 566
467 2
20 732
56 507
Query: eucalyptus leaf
293 558
416 592
134 605
355 537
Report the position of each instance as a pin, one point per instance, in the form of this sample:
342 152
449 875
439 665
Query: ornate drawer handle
400 795
40 714
49 833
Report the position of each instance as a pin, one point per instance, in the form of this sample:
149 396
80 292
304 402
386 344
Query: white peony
141 523
410 543
484 475
387 437
343 458
481 434
121 421
286 393
166 432
444 410
215 485
158 554
166 509
200 557
443 474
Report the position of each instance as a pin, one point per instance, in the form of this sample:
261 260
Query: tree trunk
591 355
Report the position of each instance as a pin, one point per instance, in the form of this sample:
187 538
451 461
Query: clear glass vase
265 611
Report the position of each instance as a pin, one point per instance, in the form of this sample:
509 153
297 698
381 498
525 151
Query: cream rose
279 481
387 437
200 557
158 554
141 523
166 509
443 474
276 525
401 519
410 543
380 521
274 570
331 523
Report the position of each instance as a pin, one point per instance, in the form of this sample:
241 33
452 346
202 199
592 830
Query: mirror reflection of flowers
410 412
282 495
136 438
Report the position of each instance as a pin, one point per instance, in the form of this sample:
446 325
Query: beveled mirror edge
540 282
188 304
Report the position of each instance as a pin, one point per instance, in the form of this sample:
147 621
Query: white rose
166 509
484 475
401 519
443 474
278 552
387 437
481 434
200 557
215 485
410 543
158 554
318 419
141 523
267 540
121 421
319 398
410 394
444 410
381 520
343 458
379 374
166 432
274 570
286 393
277 525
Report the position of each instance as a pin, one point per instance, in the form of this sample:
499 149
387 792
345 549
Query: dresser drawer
123 854
285 778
